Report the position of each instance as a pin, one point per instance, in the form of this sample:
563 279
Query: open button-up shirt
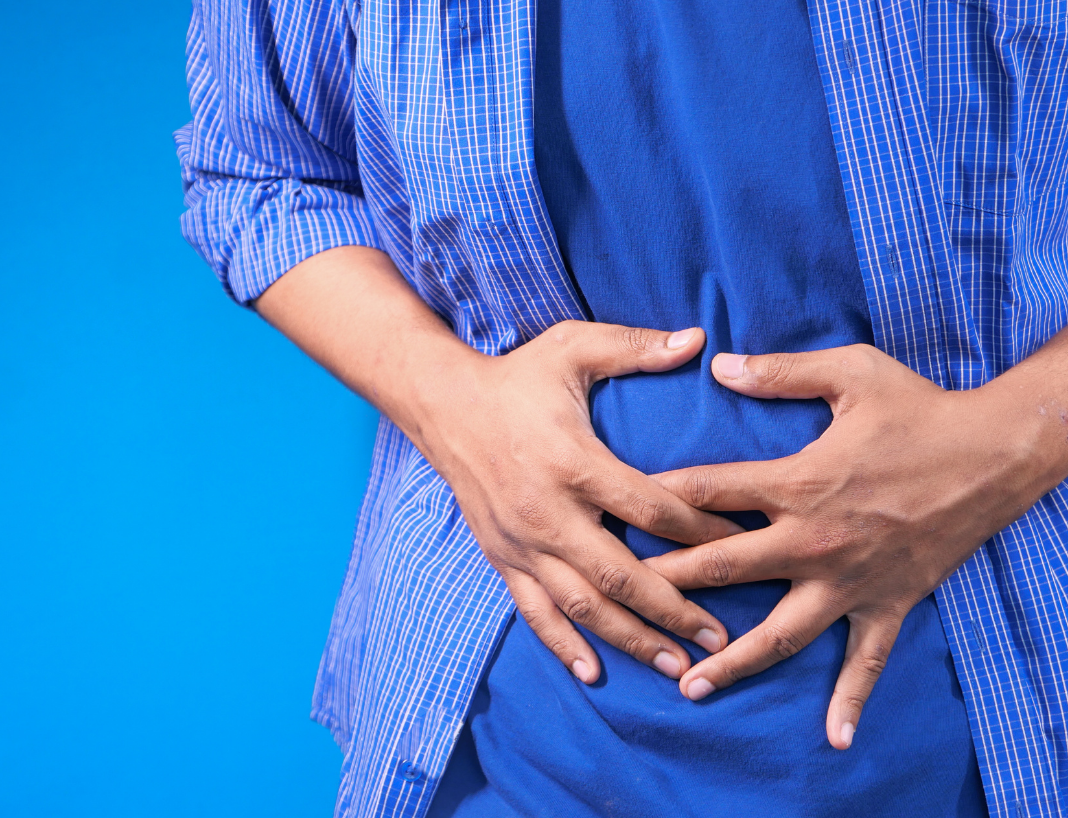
406 126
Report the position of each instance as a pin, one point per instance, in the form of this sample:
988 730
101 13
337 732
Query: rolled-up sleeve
269 161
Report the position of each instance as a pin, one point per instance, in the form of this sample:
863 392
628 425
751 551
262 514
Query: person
726 342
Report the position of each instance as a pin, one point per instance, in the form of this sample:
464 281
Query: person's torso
949 122
688 168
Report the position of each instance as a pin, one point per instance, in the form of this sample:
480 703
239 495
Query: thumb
824 374
609 350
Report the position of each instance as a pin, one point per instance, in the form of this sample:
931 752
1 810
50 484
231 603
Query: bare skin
512 437
906 484
903 487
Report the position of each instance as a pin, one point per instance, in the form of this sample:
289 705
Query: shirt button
409 772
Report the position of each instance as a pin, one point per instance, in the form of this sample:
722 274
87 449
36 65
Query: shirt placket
487 54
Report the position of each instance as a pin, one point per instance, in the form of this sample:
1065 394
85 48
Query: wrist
1028 428
435 380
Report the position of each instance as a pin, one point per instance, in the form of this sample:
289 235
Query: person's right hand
512 437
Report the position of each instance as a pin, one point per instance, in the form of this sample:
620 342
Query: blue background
178 483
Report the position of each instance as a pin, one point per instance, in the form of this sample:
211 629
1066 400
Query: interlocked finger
585 605
730 486
801 616
553 628
617 574
751 556
645 503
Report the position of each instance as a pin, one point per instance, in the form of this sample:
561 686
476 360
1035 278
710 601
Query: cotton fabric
408 127
739 226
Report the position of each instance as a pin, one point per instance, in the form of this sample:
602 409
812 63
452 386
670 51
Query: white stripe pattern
406 125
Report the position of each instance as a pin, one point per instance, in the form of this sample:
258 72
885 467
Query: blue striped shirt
407 127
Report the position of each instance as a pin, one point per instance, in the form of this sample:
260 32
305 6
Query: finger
751 556
731 486
601 351
645 503
612 569
801 616
827 373
867 649
553 628
582 603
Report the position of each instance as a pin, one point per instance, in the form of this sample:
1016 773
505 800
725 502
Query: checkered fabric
406 125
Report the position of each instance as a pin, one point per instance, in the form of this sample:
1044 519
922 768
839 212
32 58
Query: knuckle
578 606
873 662
840 595
715 567
730 673
852 703
571 468
538 618
864 354
634 644
530 512
635 340
700 487
560 647
776 367
649 514
872 666
564 346
613 579
673 620
782 641
862 361
825 544
566 330
802 487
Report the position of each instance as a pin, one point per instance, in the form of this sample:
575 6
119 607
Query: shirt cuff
252 231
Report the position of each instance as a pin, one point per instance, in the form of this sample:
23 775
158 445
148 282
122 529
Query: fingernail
699 688
847 734
581 669
730 365
680 338
667 664
708 639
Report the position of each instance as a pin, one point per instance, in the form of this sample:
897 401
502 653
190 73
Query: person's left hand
906 483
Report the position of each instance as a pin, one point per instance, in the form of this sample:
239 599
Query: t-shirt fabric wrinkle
687 165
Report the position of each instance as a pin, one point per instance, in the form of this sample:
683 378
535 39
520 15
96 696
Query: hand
906 483
516 445
512 437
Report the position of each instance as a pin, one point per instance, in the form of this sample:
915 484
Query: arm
512 436
269 161
272 110
903 487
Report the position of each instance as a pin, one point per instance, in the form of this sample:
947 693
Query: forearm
511 435
1032 399
350 310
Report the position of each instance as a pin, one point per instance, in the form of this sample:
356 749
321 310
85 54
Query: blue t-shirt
687 165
